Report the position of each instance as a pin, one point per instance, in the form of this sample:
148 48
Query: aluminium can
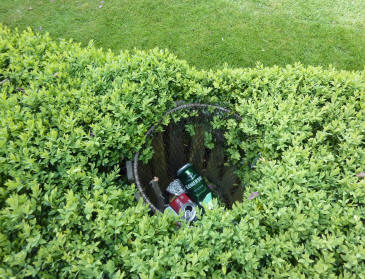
184 204
195 185
175 188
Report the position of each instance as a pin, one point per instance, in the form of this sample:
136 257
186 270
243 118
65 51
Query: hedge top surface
70 116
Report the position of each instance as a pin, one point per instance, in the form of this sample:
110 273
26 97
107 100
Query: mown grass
208 33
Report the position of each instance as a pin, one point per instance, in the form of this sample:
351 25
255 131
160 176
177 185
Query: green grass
208 33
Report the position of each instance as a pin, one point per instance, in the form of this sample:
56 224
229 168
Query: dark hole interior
196 136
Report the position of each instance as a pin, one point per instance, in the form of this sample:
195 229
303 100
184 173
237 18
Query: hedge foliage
70 117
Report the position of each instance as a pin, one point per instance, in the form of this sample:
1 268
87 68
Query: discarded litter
195 185
186 193
186 160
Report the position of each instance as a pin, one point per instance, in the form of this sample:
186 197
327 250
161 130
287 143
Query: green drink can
195 185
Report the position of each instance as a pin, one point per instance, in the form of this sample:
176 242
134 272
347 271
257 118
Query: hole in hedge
199 134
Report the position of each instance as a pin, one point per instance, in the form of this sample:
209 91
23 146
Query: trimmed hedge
70 117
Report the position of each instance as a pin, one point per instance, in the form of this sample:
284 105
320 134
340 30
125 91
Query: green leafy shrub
71 116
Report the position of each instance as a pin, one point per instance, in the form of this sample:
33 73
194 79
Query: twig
158 193
3 81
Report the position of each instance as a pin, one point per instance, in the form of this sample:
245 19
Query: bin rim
150 131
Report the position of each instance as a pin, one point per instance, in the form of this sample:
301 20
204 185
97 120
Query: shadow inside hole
197 137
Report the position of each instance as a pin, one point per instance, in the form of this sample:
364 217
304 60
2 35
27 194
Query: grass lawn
208 33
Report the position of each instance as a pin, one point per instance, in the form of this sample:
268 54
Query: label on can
195 185
179 201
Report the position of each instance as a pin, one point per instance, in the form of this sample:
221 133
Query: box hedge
70 117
